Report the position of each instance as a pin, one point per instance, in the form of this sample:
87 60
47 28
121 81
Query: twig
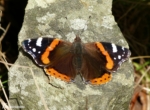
44 103
4 105
138 57
3 35
142 77
5 95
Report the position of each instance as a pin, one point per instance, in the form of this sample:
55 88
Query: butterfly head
77 39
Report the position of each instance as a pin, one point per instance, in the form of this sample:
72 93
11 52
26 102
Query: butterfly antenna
61 33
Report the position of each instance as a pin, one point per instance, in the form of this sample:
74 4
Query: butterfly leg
54 85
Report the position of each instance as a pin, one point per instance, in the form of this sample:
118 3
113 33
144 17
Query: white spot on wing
34 50
119 57
39 41
29 40
114 58
39 52
114 48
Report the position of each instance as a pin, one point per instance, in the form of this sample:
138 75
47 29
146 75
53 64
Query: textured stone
64 19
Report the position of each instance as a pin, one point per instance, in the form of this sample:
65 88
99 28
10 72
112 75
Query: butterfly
94 61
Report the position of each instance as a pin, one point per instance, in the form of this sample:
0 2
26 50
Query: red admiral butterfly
64 60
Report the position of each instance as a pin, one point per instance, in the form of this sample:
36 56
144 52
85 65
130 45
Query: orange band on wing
53 72
51 47
102 80
110 63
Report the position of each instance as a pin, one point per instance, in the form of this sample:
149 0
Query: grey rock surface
64 19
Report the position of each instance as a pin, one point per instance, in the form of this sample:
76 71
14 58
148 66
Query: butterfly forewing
36 47
117 54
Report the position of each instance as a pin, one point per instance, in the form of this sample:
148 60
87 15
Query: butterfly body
64 60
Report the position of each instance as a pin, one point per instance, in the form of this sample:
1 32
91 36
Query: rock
64 19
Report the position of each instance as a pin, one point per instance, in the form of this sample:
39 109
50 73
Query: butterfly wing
98 61
36 48
61 65
115 55
52 54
